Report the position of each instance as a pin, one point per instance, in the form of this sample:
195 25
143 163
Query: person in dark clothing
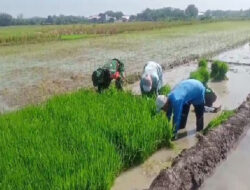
102 77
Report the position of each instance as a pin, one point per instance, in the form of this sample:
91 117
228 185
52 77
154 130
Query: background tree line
219 14
7 20
168 13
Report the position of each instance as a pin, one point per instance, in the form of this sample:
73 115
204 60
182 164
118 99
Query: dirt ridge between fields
193 166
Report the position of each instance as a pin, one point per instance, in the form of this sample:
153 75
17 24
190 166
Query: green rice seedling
219 70
165 90
203 63
81 140
224 116
201 74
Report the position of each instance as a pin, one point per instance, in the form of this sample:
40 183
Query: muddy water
239 55
234 172
231 93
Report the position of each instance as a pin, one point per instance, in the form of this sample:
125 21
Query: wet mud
194 165
234 171
15 98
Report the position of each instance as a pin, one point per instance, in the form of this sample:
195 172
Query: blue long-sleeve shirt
187 92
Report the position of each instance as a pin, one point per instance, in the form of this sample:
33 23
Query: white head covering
147 83
160 102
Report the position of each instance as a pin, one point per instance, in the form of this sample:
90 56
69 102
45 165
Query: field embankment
30 73
192 166
81 140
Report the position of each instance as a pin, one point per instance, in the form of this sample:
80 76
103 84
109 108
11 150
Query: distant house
110 18
201 13
101 18
125 18
94 18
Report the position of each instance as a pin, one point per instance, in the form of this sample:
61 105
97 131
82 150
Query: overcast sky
31 8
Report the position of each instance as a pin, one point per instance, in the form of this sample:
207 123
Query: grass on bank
78 141
224 116
76 36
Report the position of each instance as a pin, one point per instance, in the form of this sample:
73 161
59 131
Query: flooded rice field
234 172
239 55
231 93
33 72
30 73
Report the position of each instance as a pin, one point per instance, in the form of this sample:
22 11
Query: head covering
147 83
160 102
210 97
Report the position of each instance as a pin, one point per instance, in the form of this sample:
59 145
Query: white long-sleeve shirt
154 70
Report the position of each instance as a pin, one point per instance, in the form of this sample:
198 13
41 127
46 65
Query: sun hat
147 83
161 100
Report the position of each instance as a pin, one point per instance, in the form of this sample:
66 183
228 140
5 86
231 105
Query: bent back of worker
189 92
153 70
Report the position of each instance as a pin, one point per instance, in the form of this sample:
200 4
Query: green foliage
78 141
203 63
201 74
219 70
36 34
76 36
224 116
227 14
167 13
5 19
165 90
191 11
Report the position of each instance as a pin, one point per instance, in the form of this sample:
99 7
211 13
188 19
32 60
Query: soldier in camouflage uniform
113 69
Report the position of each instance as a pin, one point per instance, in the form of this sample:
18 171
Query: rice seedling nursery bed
81 140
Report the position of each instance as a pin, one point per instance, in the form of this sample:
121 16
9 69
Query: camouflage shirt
113 66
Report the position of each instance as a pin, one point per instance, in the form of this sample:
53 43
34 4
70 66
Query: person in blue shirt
151 79
179 100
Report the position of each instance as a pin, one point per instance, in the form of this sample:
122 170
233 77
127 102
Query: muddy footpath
193 166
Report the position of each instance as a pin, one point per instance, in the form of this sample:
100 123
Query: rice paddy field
35 34
81 140
32 72
84 140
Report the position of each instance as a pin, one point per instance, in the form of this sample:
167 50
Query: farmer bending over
113 69
151 79
179 100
